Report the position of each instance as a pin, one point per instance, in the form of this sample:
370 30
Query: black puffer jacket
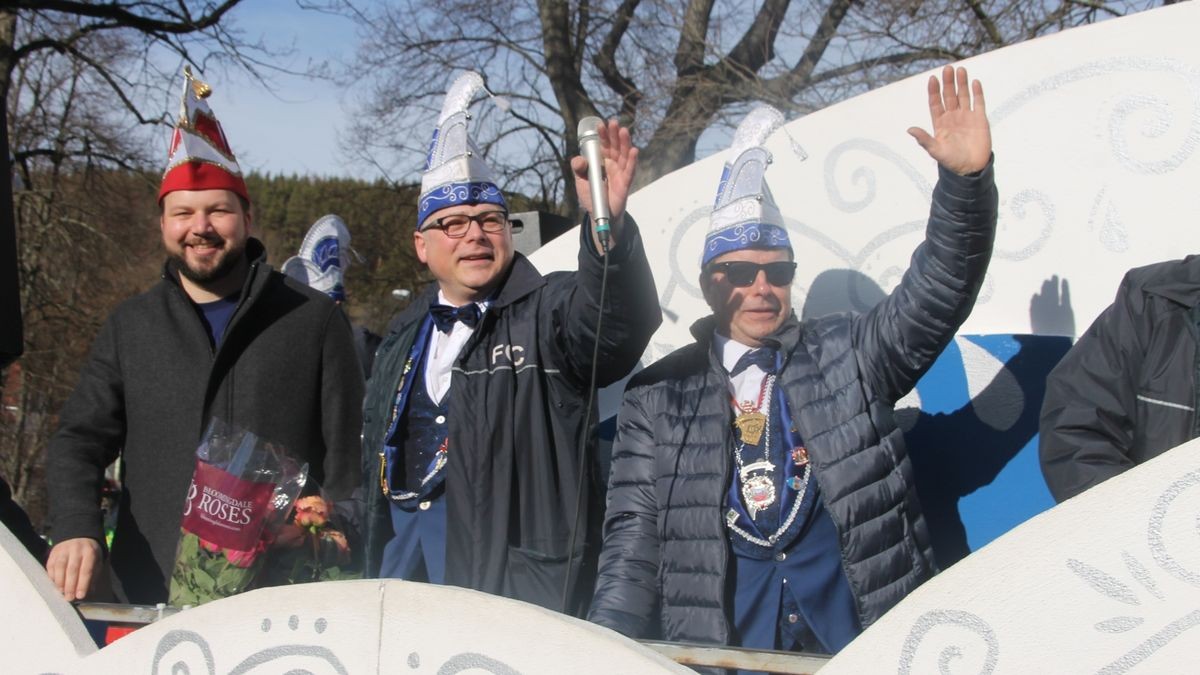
1126 392
286 371
665 550
517 403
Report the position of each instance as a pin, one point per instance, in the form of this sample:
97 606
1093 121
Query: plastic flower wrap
242 491
309 548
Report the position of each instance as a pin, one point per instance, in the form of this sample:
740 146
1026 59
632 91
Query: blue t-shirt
216 316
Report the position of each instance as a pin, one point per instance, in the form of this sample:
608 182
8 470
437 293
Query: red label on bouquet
224 509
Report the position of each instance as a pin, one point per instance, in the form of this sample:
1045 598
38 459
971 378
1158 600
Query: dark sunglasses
741 273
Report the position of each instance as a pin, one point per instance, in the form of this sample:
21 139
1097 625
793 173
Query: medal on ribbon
750 426
757 481
758 493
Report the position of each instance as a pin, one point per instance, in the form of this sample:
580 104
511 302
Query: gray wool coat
286 370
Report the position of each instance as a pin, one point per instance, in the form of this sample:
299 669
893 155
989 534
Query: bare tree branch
989 26
799 56
123 14
693 37
606 62
757 45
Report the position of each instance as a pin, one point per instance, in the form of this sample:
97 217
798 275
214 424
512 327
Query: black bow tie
444 316
764 358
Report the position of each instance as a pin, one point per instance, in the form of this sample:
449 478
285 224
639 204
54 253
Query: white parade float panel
342 627
1106 583
1095 132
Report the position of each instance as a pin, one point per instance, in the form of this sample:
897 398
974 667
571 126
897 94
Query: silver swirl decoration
475 663
1152 107
1105 218
1036 232
452 193
1142 107
182 652
185 652
1175 516
306 659
1154 117
697 217
1157 530
862 178
948 653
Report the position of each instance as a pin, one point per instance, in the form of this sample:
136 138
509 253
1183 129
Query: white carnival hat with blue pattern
321 263
745 215
455 172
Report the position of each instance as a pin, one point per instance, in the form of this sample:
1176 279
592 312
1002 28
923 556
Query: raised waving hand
962 137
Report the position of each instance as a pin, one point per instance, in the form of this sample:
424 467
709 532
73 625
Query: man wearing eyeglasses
477 399
761 495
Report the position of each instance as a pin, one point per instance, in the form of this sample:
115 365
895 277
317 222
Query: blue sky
292 129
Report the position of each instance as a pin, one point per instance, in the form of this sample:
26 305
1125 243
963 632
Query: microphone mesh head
588 126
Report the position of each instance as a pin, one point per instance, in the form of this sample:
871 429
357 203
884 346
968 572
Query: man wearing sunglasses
477 398
761 495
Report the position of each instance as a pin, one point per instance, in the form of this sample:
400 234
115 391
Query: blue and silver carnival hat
455 172
322 259
745 215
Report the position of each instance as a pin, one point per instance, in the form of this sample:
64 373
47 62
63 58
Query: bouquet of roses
309 548
242 491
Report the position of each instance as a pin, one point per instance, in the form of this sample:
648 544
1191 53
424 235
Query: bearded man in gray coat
761 494
221 335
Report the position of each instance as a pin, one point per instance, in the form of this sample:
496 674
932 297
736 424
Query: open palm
620 165
962 138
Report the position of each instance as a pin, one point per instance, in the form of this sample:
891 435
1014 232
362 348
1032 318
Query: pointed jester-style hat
324 255
745 215
455 172
199 157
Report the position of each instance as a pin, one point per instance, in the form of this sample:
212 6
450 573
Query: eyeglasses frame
477 218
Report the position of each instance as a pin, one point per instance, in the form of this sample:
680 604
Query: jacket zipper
247 290
214 351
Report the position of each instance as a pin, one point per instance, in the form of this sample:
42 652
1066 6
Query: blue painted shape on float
943 387
977 482
1018 492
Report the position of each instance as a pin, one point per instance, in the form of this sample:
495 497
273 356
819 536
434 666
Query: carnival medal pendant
751 426
758 492
800 456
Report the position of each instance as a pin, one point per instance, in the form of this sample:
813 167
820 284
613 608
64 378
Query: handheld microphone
589 147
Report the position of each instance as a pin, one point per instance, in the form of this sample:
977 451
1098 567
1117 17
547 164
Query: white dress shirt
443 349
746 385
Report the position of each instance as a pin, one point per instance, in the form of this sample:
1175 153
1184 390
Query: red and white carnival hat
200 157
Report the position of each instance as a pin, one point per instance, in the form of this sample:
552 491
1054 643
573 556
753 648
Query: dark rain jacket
286 371
665 557
1126 392
517 404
